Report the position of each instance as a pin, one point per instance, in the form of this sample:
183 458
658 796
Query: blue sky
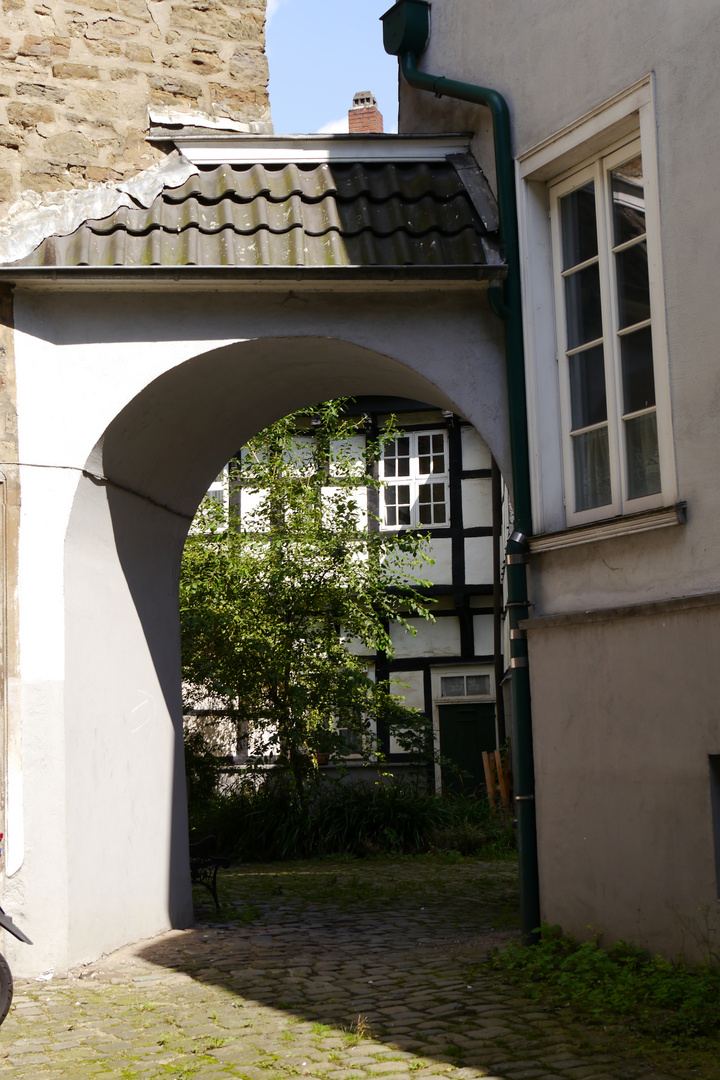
321 52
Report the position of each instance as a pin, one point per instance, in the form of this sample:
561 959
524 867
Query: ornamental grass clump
271 822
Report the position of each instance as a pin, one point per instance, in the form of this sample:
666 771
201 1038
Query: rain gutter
406 32
434 276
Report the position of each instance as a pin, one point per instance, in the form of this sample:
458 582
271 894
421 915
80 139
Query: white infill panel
478 560
408 685
475 451
484 635
477 504
440 573
441 638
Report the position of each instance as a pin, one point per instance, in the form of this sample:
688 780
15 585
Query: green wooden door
466 730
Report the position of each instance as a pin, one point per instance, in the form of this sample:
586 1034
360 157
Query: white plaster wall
484 630
439 638
475 451
478 560
151 394
439 572
477 504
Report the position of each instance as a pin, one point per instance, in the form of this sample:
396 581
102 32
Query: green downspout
406 31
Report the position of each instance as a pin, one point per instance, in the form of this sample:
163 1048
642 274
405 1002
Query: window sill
661 518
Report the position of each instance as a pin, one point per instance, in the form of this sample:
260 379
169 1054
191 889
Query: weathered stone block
101 5
70 148
249 64
13 5
104 48
176 87
96 103
238 104
77 27
123 73
139 54
12 140
111 28
198 60
43 179
69 71
44 46
137 9
249 28
40 90
29 115
6 185
100 174
5 90
7 50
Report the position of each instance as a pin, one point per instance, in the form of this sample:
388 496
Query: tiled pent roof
437 213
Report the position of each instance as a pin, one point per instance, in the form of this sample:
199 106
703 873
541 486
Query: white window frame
616 128
414 482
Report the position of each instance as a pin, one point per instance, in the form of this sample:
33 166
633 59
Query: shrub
270 822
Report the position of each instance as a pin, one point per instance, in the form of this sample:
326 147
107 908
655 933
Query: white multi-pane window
414 470
613 430
220 488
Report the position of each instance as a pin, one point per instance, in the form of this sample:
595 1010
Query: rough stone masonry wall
77 81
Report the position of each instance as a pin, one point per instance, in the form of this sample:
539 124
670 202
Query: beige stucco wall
625 715
555 61
76 83
624 709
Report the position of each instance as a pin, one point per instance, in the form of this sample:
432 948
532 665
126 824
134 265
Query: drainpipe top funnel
406 27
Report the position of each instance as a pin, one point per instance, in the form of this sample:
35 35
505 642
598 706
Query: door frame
438 673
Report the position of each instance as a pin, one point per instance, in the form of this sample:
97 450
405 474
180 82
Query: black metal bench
204 865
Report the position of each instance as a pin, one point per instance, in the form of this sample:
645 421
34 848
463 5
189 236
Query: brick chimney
365 118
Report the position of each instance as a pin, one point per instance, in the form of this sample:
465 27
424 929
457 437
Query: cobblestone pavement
345 971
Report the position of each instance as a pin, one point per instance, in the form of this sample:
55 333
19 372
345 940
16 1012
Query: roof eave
327 277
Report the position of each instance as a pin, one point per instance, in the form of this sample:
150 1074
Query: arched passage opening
127 870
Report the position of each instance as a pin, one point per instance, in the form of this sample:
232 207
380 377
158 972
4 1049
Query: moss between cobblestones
361 976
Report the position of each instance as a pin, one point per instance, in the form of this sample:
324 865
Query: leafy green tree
280 608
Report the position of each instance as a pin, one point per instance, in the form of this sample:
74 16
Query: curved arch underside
170 441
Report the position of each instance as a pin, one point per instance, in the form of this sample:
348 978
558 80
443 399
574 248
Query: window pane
583 312
637 370
438 463
478 684
628 195
591 458
643 458
579 230
403 500
632 284
452 686
588 403
438 444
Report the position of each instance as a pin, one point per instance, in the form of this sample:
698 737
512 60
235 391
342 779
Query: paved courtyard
339 971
